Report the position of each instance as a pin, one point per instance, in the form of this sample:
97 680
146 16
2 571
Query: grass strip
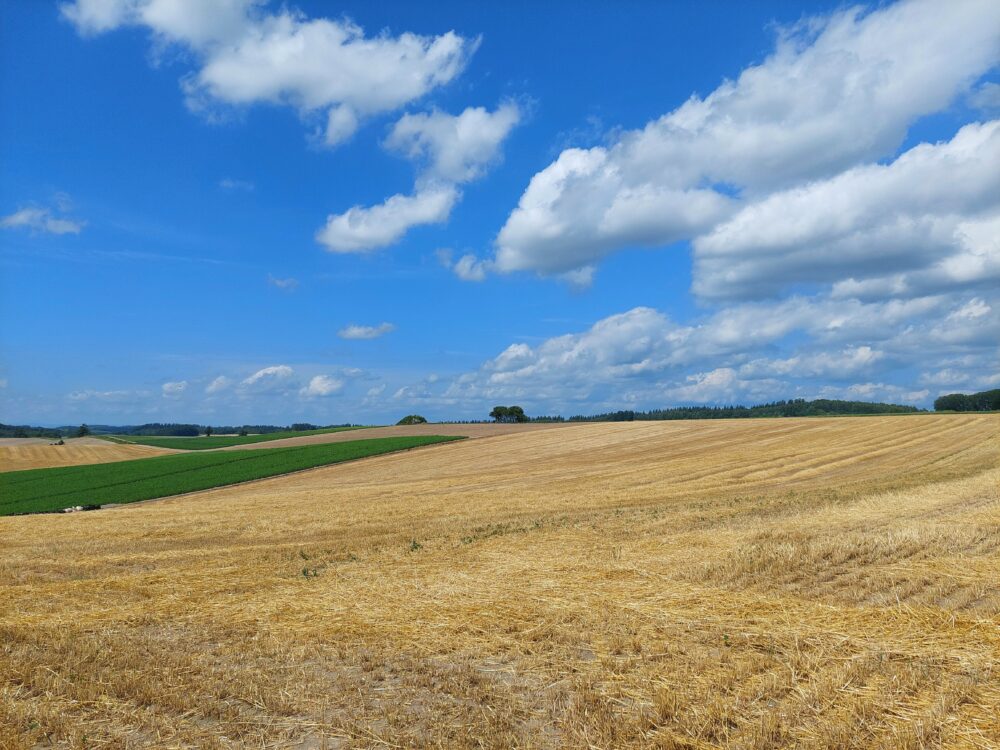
218 441
43 490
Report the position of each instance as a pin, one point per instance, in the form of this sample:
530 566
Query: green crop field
39 490
218 441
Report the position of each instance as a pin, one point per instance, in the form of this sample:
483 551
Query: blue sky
240 211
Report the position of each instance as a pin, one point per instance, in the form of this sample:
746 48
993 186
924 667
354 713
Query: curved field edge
219 441
47 490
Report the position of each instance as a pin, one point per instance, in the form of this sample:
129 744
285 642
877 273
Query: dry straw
747 584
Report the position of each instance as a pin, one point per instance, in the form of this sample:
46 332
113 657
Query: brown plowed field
821 583
31 453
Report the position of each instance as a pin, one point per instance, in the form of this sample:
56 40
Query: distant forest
822 407
157 429
795 408
983 401
23 431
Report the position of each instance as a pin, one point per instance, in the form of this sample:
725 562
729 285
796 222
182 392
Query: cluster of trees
793 408
508 414
983 401
412 419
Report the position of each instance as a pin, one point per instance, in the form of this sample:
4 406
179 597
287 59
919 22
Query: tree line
982 401
792 408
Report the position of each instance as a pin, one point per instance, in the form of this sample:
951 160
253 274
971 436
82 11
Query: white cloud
285 285
365 332
974 308
467 268
37 219
921 213
642 357
321 385
362 229
452 149
248 56
880 392
986 97
824 364
455 148
218 385
229 183
174 389
268 376
96 16
109 396
837 91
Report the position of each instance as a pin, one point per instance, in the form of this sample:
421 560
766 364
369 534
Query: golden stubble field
749 584
19 453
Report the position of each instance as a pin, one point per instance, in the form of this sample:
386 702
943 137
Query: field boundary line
123 506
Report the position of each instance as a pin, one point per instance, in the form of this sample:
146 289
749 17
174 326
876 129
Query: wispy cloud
365 332
285 285
174 389
42 219
230 183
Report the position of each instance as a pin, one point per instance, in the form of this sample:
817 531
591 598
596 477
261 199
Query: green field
218 441
40 490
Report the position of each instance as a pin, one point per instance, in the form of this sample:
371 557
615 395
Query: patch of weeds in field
415 546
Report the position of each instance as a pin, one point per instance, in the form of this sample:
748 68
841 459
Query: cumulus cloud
986 97
174 389
356 332
929 219
836 91
42 220
644 358
467 268
317 66
450 150
361 229
454 148
321 385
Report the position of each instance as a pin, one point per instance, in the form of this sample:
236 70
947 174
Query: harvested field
221 441
477 430
822 583
32 453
